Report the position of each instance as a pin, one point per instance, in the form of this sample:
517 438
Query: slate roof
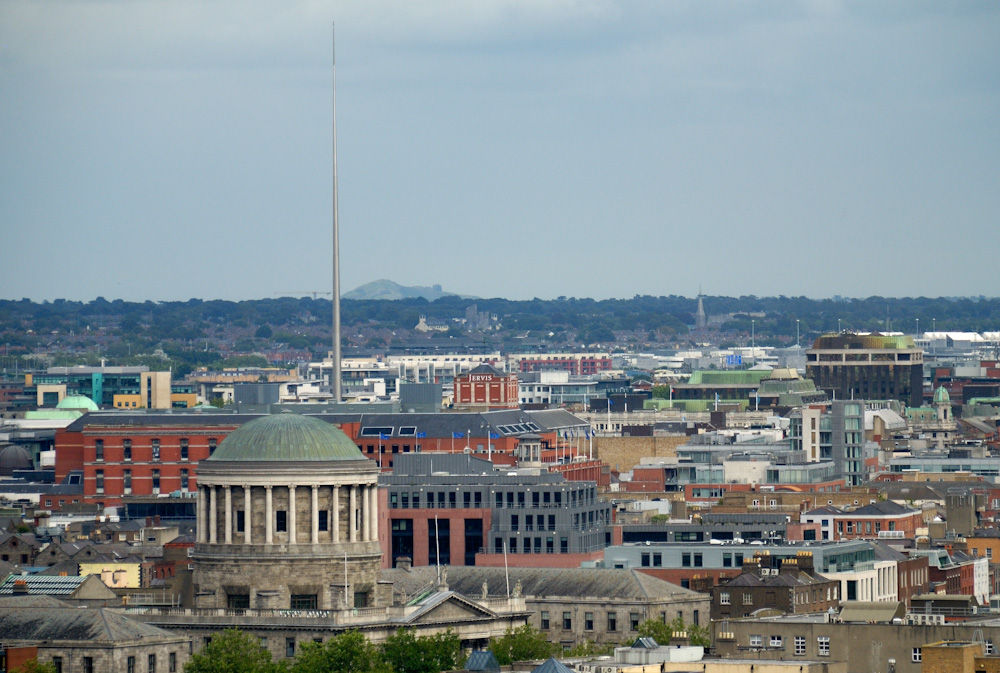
887 507
482 661
62 623
569 582
552 666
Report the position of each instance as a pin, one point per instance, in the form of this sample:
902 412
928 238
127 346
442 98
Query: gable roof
64 623
552 666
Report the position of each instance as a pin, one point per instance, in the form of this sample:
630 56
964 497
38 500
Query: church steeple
700 319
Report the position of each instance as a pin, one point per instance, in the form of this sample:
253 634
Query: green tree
588 648
662 633
406 653
521 644
348 652
233 651
34 666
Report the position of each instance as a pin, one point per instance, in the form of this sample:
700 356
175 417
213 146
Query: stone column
335 514
291 514
247 515
229 515
268 516
202 514
352 524
213 514
314 514
374 510
366 530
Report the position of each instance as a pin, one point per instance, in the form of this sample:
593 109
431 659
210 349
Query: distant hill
387 289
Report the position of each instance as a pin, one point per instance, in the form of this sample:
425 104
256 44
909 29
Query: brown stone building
784 585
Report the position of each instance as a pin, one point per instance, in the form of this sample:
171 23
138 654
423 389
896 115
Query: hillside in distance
387 289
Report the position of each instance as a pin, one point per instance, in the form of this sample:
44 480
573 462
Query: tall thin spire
335 355
700 319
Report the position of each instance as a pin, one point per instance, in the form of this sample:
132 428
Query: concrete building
873 366
460 510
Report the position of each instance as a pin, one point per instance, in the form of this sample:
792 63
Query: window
588 621
280 523
645 560
989 552
185 480
756 641
545 620
126 481
800 646
156 449
151 663
724 598
130 665
633 621
99 478
126 449
240 521
172 662
915 655
184 448
156 481
212 443
612 622
823 646
303 602
747 598
57 664
289 647
657 560
99 450
567 621
988 648
323 523
697 561
775 641
686 560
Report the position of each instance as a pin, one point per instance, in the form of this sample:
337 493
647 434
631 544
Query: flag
383 435
421 435
494 435
457 435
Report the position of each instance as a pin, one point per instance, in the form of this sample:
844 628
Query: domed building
14 457
77 403
288 519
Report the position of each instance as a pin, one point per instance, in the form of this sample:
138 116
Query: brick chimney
20 587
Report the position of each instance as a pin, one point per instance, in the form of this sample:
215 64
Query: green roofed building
867 367
747 388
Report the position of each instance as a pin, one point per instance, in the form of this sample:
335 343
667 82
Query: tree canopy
521 644
233 651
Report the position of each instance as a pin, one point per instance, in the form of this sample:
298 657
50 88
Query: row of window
512 500
127 481
87 664
588 621
823 646
154 449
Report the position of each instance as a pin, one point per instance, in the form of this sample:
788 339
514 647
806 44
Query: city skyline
593 149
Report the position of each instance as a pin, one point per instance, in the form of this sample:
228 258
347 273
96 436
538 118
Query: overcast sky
164 150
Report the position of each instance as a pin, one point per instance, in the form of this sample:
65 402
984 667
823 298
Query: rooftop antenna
335 298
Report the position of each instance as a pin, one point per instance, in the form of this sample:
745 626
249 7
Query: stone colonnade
333 513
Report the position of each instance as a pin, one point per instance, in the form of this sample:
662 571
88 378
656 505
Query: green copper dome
77 402
941 396
287 437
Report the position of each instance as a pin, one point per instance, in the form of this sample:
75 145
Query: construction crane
314 293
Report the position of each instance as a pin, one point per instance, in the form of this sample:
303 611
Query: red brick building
485 385
574 363
140 455
868 521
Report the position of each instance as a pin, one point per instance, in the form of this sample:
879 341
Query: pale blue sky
154 149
